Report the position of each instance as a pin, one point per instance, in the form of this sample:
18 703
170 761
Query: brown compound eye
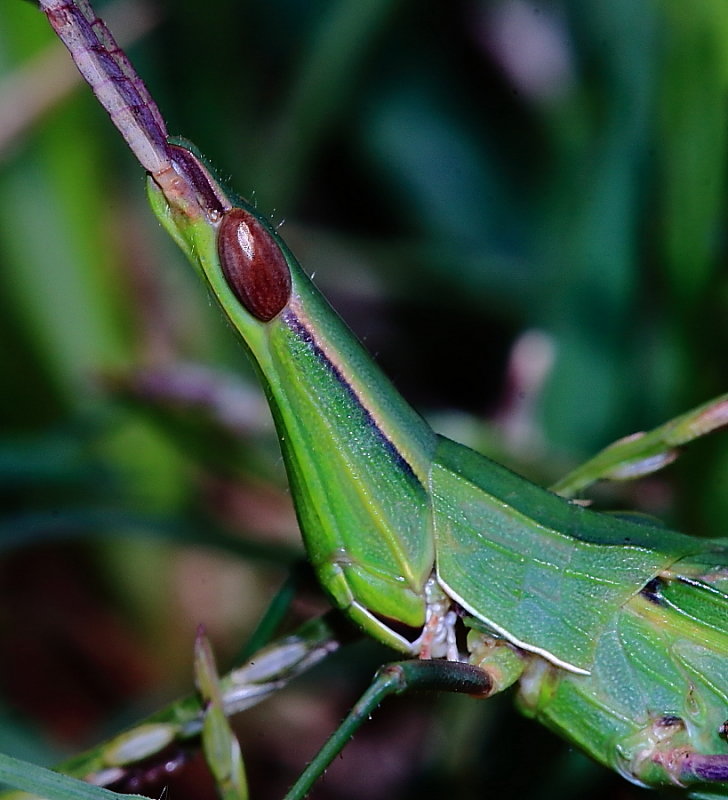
253 264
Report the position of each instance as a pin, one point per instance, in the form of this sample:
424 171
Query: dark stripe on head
306 336
197 176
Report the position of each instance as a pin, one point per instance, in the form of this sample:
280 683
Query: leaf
42 782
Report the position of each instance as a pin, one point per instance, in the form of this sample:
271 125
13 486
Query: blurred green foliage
455 174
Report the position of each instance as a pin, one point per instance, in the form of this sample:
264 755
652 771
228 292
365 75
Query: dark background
456 174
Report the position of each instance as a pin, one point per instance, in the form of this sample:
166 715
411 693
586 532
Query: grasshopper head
230 244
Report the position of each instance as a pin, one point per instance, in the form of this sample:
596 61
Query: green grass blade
643 453
42 782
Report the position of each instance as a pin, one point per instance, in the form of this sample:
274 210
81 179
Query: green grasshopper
615 631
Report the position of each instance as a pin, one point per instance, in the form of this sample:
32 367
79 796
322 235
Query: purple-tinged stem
118 88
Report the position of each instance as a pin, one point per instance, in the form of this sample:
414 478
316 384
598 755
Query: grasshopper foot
688 767
664 755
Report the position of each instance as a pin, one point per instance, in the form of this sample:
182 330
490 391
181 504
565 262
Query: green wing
543 572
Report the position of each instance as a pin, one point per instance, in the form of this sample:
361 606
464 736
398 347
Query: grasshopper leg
438 637
697 768
684 767
663 754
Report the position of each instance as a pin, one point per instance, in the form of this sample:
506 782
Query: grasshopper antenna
113 80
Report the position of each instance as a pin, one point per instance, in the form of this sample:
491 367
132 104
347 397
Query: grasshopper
615 632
